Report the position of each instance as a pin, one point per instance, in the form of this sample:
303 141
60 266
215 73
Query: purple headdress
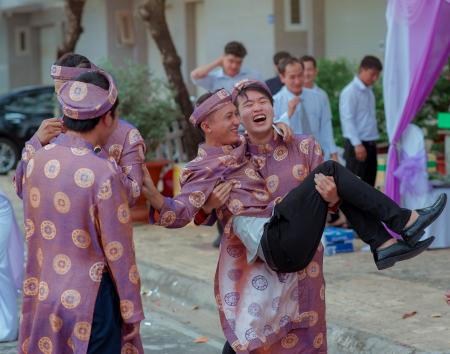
218 100
69 73
243 84
81 100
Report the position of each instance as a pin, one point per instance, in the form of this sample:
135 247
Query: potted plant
147 103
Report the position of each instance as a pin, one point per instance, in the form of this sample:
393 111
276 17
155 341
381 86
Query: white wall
219 22
93 42
4 63
354 28
244 21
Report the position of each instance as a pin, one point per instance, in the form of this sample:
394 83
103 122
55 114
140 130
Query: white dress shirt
318 116
217 79
357 112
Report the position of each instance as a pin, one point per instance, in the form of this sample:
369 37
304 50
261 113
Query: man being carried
244 285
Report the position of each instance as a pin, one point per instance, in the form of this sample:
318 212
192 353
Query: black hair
280 56
83 126
235 48
73 60
253 87
371 62
310 58
288 61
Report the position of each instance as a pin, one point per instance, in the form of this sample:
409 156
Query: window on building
125 28
22 41
295 15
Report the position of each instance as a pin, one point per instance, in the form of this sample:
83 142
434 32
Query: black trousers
292 235
107 321
367 169
227 349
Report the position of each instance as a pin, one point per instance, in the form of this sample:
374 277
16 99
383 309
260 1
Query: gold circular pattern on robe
197 199
105 191
318 341
26 345
322 292
70 299
30 149
134 136
61 202
79 151
129 348
299 172
252 174
235 206
272 183
126 309
304 146
168 218
81 238
317 149
31 286
52 168
61 264
301 274
39 257
185 174
48 230
78 91
56 322
258 161
115 151
123 213
290 341
43 291
313 318
84 177
114 251
313 269
201 154
35 197
96 271
135 190
30 166
280 153
29 228
127 169
49 146
133 274
45 345
82 330
261 195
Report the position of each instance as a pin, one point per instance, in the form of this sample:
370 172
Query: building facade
31 30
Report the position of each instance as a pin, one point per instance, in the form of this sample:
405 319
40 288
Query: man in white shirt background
225 71
359 122
310 74
301 108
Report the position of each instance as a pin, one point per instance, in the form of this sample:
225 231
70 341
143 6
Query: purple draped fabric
429 49
15 251
412 174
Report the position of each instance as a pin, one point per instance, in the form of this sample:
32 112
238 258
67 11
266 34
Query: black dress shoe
399 251
427 215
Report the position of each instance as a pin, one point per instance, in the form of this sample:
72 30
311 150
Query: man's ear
205 126
108 119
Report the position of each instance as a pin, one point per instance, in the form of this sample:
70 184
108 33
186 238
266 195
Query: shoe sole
411 241
389 262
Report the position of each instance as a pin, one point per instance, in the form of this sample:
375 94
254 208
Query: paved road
169 328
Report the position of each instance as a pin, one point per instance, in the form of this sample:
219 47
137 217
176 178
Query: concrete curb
194 291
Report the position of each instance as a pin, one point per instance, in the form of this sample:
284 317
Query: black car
21 113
